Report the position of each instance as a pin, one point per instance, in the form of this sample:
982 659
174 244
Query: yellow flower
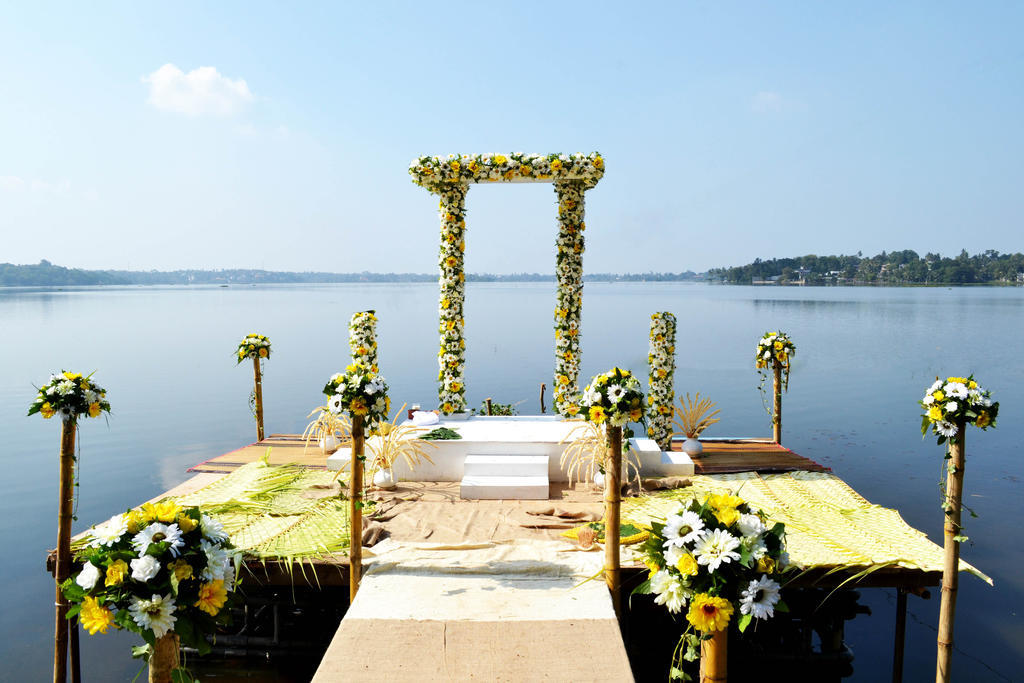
263 352
94 409
164 511
73 376
984 419
938 396
724 500
727 516
454 386
652 567
186 523
94 616
451 261
597 414
499 159
47 411
473 166
212 597
116 573
358 406
709 613
455 166
687 565
972 384
573 410
556 165
636 414
766 565
778 345
935 413
181 569
136 520
598 162
447 408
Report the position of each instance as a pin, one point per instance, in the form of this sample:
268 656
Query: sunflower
709 613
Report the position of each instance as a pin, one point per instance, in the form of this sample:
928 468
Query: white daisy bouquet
362 338
569 298
253 346
155 570
359 391
451 357
955 400
715 556
614 396
661 359
433 172
70 395
775 349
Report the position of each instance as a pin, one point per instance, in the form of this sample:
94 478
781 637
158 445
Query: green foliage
441 434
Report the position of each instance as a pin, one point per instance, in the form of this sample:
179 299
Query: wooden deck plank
741 455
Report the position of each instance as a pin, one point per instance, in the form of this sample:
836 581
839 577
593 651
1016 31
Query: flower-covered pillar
569 305
452 355
362 339
662 361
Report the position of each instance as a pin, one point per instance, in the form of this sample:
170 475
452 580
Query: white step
506 465
483 487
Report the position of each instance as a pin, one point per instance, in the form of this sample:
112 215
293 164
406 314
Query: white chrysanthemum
767 355
755 546
946 429
935 387
213 530
951 407
716 548
157 533
65 387
371 388
673 554
956 390
669 590
88 577
156 614
759 598
615 393
145 568
380 405
750 525
109 532
928 400
682 529
217 562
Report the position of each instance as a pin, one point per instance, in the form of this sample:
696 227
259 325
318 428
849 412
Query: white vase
384 479
692 446
328 444
599 479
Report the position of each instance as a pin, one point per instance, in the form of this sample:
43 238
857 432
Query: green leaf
781 606
182 675
142 652
960 539
744 622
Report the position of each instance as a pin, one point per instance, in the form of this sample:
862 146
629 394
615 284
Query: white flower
715 548
371 388
594 397
759 598
213 530
670 591
928 400
682 529
156 533
145 568
750 525
156 614
673 554
951 407
335 404
935 387
89 576
755 546
615 393
109 532
217 562
767 355
956 390
65 387
946 429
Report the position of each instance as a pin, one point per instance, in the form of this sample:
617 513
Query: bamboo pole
258 377
777 403
612 503
900 637
488 402
950 567
164 659
542 388
65 496
355 501
714 658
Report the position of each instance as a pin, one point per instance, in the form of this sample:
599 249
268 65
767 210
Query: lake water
865 356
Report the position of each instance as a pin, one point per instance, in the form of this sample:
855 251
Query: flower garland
569 301
662 361
451 357
614 396
720 556
359 391
253 346
362 339
949 402
159 569
436 172
70 395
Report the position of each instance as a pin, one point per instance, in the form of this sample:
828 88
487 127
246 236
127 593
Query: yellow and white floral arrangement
70 395
569 298
451 357
160 569
435 172
711 560
253 346
661 358
949 402
360 392
614 397
775 349
362 339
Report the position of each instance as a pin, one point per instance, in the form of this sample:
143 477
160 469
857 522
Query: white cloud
766 102
11 183
200 91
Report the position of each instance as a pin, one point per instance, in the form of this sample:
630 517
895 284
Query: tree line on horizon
889 268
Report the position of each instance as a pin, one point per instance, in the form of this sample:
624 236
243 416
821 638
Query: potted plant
330 428
390 442
583 457
692 417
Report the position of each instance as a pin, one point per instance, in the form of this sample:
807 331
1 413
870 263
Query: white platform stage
514 457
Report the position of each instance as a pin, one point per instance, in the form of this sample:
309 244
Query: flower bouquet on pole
163 571
256 347
775 351
716 560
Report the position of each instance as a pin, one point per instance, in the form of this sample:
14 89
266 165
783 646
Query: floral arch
449 178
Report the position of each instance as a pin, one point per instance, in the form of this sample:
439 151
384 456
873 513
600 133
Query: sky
258 135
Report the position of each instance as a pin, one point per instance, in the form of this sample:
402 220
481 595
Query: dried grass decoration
393 441
330 429
694 415
584 456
